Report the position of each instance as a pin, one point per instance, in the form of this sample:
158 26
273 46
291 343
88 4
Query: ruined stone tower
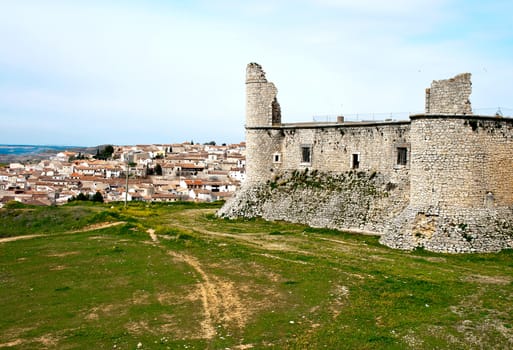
450 96
262 113
262 108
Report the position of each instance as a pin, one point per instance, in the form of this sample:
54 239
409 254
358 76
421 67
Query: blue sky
133 72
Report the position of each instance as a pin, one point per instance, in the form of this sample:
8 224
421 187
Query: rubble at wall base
368 202
458 230
359 201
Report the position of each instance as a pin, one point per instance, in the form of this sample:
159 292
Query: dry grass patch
502 280
62 255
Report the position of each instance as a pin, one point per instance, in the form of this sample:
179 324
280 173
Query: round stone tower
262 108
263 141
461 178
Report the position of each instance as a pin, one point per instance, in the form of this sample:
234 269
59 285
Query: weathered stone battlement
450 96
255 74
442 180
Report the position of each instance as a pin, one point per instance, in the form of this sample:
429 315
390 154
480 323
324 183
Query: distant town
149 173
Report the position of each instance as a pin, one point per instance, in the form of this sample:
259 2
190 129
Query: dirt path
85 229
153 236
257 240
221 301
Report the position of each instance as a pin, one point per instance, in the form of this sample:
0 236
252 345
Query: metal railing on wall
496 111
397 116
363 117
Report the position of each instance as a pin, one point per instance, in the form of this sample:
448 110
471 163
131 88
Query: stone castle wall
332 192
442 181
461 162
461 186
333 148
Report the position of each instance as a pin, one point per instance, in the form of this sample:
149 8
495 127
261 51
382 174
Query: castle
442 180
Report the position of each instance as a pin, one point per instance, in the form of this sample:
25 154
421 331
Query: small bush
184 236
290 283
276 233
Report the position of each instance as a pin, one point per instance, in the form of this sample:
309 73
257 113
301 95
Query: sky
90 72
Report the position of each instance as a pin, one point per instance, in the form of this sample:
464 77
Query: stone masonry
442 180
450 96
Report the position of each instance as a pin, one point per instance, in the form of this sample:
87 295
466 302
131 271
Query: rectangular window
276 158
306 154
402 155
356 161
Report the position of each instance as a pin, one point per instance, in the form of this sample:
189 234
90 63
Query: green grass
212 283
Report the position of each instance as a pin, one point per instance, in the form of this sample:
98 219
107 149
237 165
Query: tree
158 170
108 150
97 197
82 197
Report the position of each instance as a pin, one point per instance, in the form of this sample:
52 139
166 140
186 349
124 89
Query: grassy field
176 277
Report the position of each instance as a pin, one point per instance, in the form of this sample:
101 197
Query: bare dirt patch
479 331
15 334
435 259
98 226
152 234
85 229
139 327
170 326
61 255
259 240
284 259
220 299
338 296
12 343
102 311
141 297
18 238
166 298
488 279
48 340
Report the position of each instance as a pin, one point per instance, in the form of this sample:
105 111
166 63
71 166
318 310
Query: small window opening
402 155
276 158
356 161
306 154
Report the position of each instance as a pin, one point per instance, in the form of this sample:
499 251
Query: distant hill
25 153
